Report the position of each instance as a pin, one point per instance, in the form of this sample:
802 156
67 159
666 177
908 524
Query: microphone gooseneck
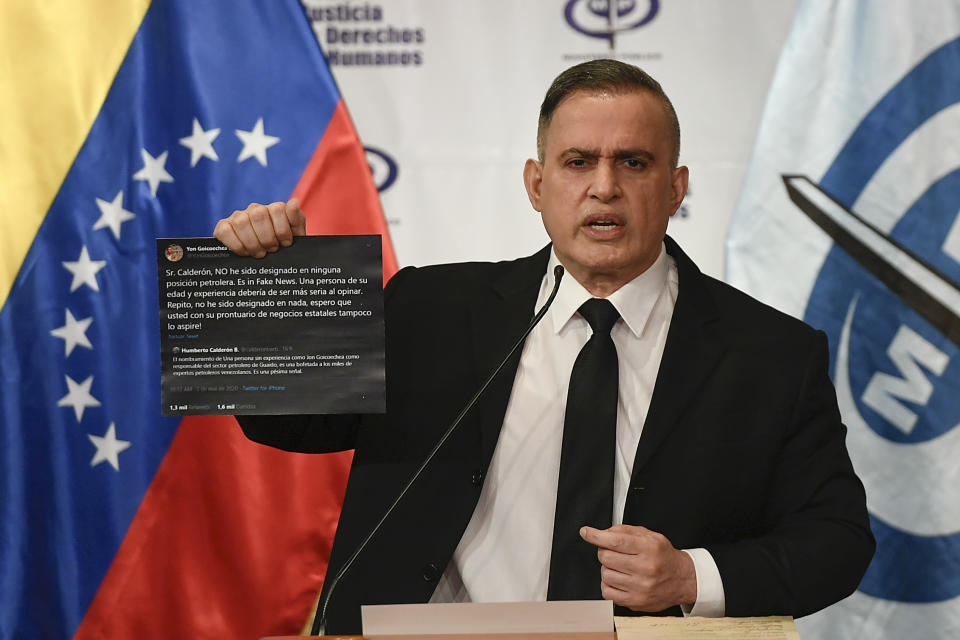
320 621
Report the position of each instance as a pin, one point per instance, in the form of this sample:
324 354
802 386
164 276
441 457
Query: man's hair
605 75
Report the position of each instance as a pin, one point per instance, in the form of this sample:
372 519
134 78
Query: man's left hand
640 569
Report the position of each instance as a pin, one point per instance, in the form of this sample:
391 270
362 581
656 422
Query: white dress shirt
504 554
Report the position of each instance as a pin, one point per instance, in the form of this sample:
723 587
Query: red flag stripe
336 197
232 535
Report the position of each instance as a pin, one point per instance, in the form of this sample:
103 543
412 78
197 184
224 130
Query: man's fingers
280 230
618 596
593 536
641 569
225 233
622 538
242 227
263 219
295 218
260 229
616 579
623 562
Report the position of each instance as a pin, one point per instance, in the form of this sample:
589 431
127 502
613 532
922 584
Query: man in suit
731 489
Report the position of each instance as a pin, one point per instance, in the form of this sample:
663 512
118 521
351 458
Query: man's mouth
603 224
603 221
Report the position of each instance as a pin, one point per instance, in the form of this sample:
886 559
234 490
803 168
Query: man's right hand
261 229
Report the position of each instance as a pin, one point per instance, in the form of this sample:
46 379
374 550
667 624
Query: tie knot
600 313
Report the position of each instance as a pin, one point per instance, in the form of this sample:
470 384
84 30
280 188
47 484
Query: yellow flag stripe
58 59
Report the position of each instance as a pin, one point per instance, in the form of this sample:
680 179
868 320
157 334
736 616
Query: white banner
848 219
445 96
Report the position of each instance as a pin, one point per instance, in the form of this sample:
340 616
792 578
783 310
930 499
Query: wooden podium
557 620
466 636
650 628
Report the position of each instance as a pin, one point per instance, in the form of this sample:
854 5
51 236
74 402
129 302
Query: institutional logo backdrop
849 219
450 91
604 19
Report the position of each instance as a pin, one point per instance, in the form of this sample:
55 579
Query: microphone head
558 272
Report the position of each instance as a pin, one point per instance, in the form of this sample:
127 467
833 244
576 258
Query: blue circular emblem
605 18
383 168
897 372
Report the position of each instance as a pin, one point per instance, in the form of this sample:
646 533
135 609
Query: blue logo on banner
606 18
383 168
890 303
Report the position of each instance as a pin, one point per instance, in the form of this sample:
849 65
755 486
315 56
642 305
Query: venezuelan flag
121 122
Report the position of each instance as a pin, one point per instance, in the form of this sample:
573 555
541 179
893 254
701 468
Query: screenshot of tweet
299 331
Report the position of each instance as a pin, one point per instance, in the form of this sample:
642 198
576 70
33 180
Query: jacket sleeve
318 433
817 542
303 433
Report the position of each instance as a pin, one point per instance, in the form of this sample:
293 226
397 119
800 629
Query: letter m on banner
848 219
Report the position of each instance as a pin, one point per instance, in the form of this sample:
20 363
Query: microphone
319 627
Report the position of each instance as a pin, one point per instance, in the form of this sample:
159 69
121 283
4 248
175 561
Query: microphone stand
320 622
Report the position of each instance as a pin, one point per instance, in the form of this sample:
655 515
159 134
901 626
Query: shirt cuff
710 599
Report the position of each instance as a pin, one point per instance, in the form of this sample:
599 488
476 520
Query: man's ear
532 177
681 177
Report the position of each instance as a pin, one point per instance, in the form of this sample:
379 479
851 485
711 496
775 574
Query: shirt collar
634 301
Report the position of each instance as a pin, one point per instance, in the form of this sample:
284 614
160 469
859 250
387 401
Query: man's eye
577 162
634 163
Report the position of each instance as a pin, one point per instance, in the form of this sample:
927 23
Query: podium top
648 628
466 636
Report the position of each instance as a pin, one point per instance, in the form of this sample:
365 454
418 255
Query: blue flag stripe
227 66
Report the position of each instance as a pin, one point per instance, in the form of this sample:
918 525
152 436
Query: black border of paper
299 331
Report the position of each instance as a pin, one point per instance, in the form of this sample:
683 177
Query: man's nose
605 185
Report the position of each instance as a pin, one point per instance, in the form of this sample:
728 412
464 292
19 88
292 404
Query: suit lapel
691 353
500 318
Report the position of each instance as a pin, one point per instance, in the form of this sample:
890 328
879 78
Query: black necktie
585 490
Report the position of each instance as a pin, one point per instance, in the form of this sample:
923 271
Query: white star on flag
200 143
108 448
84 271
78 396
255 143
154 171
73 333
112 214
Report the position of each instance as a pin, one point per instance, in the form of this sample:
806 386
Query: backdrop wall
445 97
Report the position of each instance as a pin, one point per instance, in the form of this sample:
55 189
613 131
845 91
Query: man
730 491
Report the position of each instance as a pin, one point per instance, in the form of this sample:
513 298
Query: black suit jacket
742 451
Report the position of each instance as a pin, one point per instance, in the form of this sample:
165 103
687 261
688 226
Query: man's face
606 187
